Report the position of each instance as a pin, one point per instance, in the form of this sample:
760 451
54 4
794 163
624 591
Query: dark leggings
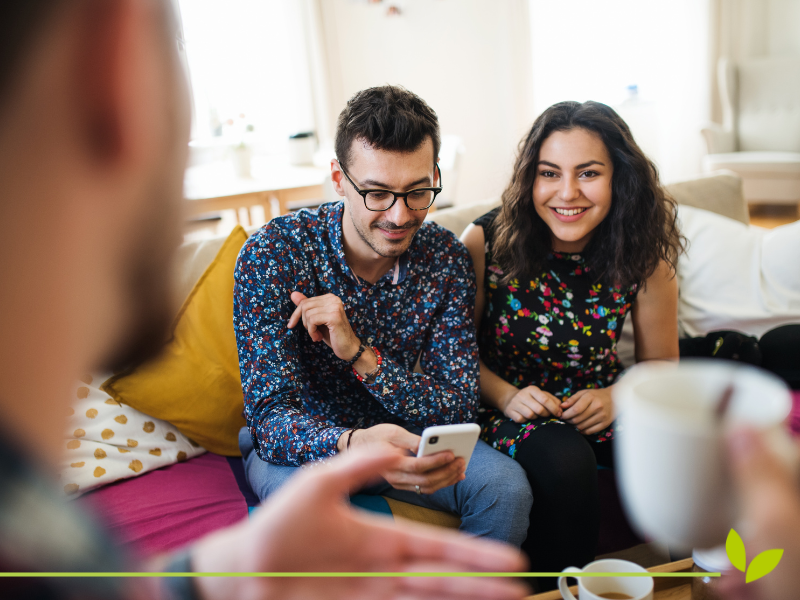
561 465
778 350
780 353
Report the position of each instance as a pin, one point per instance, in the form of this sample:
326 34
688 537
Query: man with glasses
377 291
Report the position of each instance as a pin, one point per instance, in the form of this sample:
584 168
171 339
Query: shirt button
385 391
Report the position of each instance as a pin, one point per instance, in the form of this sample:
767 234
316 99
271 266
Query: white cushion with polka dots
107 441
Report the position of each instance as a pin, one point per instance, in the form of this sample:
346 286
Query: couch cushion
107 441
195 384
719 192
737 277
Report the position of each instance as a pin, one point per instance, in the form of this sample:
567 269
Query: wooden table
666 588
214 187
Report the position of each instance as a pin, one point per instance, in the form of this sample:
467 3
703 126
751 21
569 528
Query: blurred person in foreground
94 124
770 501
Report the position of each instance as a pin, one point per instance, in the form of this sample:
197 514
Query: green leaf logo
761 565
734 546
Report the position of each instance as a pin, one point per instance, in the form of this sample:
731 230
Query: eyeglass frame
404 195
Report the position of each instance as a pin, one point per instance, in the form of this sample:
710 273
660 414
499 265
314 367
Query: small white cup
670 444
600 588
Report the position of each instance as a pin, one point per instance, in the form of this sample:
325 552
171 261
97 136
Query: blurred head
94 124
387 138
582 184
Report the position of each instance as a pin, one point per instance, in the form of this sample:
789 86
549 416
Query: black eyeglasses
381 200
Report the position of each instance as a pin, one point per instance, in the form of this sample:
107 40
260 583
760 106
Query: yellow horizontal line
311 575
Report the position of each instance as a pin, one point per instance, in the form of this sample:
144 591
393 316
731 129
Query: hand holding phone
459 439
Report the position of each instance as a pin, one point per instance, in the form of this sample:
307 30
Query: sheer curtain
249 71
588 50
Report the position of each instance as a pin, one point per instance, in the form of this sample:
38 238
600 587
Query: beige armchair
760 135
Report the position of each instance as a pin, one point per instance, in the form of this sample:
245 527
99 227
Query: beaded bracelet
372 374
361 349
353 430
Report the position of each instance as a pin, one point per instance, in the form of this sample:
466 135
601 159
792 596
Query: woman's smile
569 215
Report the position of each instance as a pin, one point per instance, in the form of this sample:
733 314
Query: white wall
489 67
783 27
469 59
589 50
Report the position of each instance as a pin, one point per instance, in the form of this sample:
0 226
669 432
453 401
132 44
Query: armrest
718 139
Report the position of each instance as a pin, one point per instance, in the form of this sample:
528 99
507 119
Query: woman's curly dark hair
640 229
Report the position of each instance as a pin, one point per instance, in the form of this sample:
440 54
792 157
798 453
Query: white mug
600 588
670 444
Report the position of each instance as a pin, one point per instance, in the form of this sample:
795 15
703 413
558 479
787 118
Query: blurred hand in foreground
309 526
770 501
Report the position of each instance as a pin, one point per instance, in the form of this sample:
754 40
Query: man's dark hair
386 118
20 22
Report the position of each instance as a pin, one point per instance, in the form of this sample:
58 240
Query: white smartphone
459 439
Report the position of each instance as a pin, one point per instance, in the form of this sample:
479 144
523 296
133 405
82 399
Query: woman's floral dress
557 331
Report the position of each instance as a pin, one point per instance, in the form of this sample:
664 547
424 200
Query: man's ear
337 177
117 87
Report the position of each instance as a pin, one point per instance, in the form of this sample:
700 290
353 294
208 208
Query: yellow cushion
194 383
404 510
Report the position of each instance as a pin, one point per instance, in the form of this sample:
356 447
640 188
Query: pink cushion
794 418
170 507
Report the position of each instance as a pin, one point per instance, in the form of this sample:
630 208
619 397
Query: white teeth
569 212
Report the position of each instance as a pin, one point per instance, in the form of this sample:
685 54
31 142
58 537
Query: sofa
174 491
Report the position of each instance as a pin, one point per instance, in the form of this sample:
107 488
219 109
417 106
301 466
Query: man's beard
148 276
392 251
146 335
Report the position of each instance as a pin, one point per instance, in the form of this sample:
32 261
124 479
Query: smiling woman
573 199
640 231
585 236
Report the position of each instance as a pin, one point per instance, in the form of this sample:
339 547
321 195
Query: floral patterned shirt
298 396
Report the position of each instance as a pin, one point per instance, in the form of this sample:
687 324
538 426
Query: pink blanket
170 507
794 419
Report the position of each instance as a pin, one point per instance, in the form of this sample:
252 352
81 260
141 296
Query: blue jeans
494 500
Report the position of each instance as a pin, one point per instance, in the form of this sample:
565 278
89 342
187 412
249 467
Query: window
249 71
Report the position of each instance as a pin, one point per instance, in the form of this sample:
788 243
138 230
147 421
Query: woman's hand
590 411
531 403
